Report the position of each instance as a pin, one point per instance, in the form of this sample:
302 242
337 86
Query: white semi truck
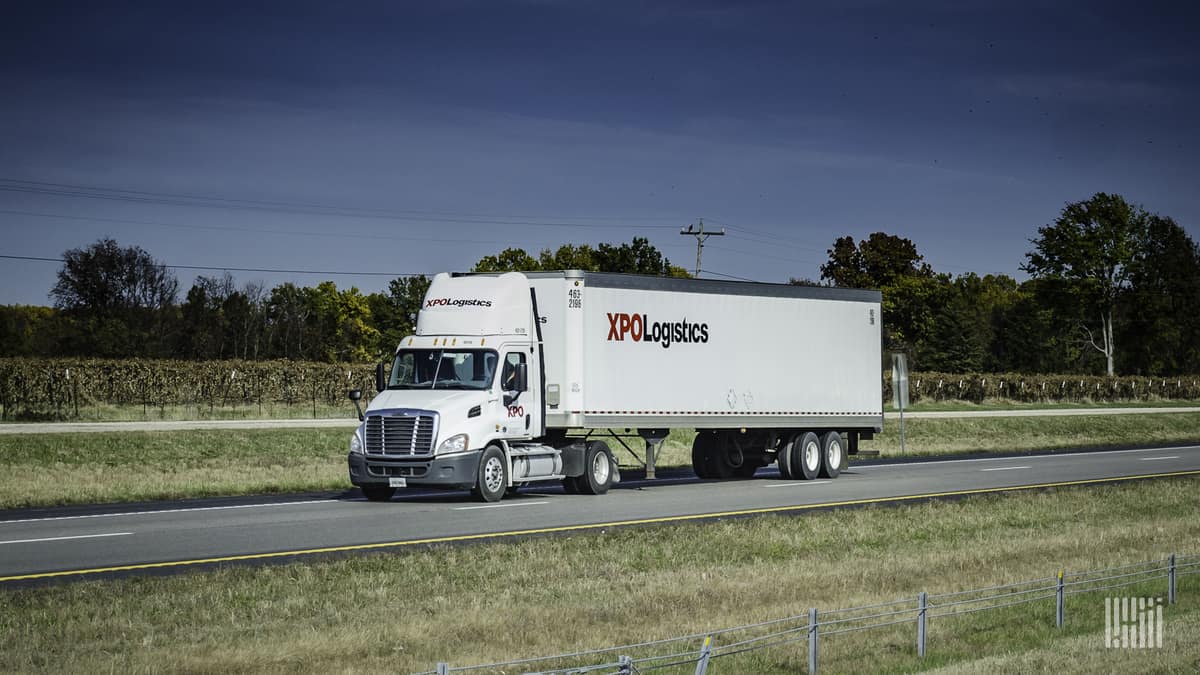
506 370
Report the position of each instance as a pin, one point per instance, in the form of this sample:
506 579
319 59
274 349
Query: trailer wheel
492 479
704 448
833 454
597 469
806 456
378 493
785 458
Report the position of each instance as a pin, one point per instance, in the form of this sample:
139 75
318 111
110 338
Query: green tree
508 260
394 314
1091 246
1161 324
637 257
27 330
875 262
342 322
911 291
287 314
121 300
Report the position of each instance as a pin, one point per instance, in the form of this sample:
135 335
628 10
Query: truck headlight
457 443
356 446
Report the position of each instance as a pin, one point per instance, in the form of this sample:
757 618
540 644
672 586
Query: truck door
524 411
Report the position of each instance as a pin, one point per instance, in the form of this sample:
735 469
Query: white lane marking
798 482
1053 455
497 506
80 536
1006 468
1151 459
151 513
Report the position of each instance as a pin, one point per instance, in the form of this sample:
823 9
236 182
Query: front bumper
457 470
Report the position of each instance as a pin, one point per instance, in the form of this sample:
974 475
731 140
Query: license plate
397 482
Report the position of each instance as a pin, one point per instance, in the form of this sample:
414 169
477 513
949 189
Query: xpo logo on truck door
639 328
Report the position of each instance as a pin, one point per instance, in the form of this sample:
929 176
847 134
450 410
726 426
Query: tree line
112 301
1112 288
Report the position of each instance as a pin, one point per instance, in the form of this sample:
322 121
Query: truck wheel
704 448
806 456
378 493
597 469
492 479
833 453
784 459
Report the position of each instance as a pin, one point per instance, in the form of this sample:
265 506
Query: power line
241 269
300 208
232 228
730 276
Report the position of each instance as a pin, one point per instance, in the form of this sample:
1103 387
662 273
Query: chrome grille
399 434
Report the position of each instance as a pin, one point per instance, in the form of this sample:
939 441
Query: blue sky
398 137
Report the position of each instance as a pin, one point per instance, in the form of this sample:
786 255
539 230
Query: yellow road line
593 526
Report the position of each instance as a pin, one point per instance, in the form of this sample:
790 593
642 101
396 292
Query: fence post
443 669
922 606
705 653
1058 601
625 665
812 641
1171 580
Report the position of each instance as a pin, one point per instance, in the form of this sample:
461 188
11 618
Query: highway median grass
86 468
488 602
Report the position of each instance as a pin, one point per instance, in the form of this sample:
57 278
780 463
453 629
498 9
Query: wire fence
698 651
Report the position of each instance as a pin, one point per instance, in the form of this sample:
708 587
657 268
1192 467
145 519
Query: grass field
489 602
82 468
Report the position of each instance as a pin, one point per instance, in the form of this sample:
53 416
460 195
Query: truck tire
704 448
378 493
833 454
784 459
491 481
597 469
806 456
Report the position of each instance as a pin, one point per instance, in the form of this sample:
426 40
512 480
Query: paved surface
350 423
69 542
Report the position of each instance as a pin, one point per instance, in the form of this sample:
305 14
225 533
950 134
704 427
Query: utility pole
700 236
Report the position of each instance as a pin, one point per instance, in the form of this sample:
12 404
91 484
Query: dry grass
48 469
490 602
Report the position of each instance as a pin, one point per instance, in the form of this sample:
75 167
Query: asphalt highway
83 542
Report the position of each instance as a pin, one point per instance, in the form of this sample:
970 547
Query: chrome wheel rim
493 474
835 454
600 468
812 455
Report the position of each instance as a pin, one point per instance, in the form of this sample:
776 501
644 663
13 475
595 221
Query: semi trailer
505 372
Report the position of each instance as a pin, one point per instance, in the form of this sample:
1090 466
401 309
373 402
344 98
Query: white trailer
504 368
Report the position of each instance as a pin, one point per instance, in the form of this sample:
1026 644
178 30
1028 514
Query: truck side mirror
380 377
522 377
356 395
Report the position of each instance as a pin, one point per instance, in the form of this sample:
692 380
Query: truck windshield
443 369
